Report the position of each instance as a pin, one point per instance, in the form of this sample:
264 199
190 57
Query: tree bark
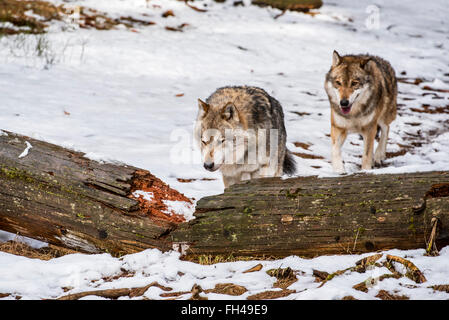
313 216
58 196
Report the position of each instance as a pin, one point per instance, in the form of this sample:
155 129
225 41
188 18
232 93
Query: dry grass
213 259
15 12
19 248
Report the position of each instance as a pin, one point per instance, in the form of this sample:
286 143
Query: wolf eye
338 83
354 83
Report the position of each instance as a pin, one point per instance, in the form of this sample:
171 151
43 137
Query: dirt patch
294 5
301 113
303 145
17 14
307 156
160 192
385 295
395 154
441 287
425 108
271 294
415 81
123 274
433 89
32 17
227 288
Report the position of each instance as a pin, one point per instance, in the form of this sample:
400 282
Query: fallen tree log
59 196
313 216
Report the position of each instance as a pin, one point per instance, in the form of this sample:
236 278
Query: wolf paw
339 168
379 157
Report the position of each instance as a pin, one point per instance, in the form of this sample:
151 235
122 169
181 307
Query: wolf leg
368 136
338 137
381 150
245 176
228 181
266 171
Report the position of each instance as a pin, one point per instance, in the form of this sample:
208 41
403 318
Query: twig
193 7
114 293
413 272
431 245
280 14
355 241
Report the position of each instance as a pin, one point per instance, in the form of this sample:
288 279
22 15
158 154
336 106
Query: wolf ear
204 107
230 112
366 64
336 59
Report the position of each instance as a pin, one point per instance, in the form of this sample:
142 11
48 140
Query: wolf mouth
347 109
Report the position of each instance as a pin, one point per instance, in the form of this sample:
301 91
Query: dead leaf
257 267
168 13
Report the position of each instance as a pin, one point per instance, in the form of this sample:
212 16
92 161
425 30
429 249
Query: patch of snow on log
183 208
149 196
27 149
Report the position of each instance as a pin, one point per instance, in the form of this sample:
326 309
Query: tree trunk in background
313 216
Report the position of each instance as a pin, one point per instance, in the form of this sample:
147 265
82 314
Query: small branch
280 14
431 244
193 7
413 272
114 293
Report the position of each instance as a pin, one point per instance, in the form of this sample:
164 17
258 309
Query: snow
115 95
35 279
183 208
27 149
149 196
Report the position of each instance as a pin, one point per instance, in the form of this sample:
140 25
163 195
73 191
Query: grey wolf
362 91
240 131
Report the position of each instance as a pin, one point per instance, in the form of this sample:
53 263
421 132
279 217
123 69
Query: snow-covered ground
131 96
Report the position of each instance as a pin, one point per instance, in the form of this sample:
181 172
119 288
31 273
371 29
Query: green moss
292 195
248 209
15 173
411 225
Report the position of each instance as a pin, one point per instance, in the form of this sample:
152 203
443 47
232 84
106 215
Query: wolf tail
289 166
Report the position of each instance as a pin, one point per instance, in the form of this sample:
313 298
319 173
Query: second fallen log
312 216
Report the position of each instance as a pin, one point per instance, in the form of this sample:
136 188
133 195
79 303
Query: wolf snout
344 102
209 166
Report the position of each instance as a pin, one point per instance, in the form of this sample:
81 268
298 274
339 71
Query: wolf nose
208 166
344 102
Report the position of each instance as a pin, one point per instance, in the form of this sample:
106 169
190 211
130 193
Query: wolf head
348 83
214 126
